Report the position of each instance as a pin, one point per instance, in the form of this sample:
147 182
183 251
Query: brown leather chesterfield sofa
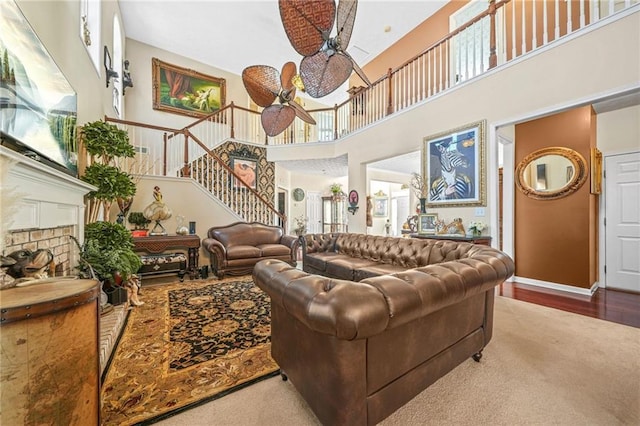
234 249
358 351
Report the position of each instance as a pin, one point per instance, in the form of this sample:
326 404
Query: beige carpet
543 367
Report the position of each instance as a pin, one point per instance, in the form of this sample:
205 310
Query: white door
314 212
622 214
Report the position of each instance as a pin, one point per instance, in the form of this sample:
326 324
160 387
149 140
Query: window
90 30
117 65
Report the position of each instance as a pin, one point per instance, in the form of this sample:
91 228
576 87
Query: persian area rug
189 343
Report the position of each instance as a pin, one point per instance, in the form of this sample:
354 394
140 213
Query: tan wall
184 197
56 24
553 238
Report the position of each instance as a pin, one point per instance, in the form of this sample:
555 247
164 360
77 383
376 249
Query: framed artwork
184 91
454 164
427 223
247 170
380 205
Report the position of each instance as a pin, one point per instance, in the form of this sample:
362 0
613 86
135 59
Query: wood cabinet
49 362
334 214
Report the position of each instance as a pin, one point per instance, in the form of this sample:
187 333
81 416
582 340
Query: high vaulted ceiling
234 34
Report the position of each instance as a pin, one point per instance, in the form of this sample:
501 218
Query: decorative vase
181 229
423 205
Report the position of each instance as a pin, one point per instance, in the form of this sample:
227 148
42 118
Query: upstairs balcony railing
505 31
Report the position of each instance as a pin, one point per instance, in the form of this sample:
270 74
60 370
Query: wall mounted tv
38 106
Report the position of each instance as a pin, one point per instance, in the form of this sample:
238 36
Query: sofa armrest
293 242
344 309
217 251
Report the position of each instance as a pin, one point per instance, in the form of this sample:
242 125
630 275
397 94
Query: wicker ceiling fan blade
322 74
307 23
262 83
289 70
301 112
346 17
358 70
276 118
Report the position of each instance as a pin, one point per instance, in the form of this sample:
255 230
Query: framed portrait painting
184 91
454 164
247 170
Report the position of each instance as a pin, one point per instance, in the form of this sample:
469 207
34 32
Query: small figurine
157 211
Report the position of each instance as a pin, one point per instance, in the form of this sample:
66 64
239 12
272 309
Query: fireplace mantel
48 198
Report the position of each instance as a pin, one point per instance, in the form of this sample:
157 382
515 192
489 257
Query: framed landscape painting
184 91
454 163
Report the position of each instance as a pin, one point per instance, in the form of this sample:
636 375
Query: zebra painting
451 184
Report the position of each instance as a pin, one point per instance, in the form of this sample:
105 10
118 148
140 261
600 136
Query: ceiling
234 34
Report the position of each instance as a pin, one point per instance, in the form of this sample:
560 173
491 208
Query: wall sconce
127 81
354 198
110 73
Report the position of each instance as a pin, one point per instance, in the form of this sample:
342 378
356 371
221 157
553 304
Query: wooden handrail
136 124
210 153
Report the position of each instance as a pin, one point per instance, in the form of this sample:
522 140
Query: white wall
619 131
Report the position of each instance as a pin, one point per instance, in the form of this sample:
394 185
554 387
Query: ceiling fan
326 63
264 85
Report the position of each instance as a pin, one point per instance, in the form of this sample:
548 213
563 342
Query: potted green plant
107 254
139 223
336 188
105 142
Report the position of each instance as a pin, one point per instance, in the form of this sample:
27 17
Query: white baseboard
555 286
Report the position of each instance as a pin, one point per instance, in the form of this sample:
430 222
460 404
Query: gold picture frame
596 171
185 91
462 150
427 223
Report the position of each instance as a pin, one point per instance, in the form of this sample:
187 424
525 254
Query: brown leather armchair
234 249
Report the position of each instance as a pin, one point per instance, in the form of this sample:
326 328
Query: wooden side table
483 240
156 244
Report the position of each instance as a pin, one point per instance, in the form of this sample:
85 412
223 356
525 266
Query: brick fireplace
44 209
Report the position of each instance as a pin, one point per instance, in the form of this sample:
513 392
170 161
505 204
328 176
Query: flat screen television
38 106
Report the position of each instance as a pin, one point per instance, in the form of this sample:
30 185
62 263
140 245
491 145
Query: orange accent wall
556 240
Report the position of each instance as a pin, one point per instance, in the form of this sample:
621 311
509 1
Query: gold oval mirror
551 173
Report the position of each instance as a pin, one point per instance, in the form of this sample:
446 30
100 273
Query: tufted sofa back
405 252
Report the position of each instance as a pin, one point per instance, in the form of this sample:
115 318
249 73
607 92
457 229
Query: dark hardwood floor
610 305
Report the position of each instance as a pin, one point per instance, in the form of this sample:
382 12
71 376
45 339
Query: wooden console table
483 239
156 244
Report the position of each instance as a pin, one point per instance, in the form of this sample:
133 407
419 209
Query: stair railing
163 151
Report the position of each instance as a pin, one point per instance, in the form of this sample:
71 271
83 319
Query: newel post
493 58
390 94
232 120
185 168
165 140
